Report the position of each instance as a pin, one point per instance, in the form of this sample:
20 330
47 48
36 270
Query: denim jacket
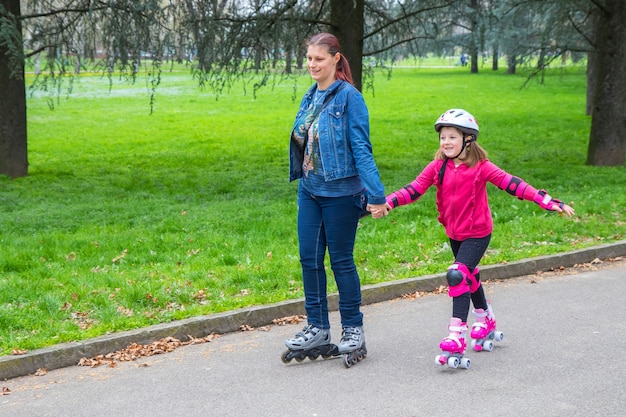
345 147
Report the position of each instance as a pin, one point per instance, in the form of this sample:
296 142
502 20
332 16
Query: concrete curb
68 354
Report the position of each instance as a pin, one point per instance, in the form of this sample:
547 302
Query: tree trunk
511 64
494 59
591 81
474 63
607 142
474 35
347 23
592 77
288 60
13 153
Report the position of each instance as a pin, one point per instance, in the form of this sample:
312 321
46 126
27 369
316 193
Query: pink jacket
462 199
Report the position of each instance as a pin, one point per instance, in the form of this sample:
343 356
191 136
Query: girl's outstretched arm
524 191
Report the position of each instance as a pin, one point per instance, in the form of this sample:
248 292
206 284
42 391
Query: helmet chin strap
465 143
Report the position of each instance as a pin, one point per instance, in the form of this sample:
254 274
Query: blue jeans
330 222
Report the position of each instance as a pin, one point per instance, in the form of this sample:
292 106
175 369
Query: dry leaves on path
283 321
594 265
417 294
136 351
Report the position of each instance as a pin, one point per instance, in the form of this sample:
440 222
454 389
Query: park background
129 218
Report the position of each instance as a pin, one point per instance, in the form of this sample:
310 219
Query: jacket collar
334 86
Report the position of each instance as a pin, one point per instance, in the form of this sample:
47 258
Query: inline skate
352 345
312 342
484 330
453 346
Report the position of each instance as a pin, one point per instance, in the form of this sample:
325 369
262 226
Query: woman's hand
378 210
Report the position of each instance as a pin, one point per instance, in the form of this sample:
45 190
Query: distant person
331 155
463 60
460 172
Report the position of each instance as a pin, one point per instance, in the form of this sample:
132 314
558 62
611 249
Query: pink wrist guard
543 199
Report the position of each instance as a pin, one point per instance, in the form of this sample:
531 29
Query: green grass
129 219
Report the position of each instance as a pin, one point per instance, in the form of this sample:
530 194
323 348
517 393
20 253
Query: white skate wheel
453 362
499 336
488 345
466 363
440 360
474 343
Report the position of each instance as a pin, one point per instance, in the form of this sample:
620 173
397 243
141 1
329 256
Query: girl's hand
378 210
567 210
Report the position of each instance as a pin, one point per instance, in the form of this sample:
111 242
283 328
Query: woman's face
450 141
322 65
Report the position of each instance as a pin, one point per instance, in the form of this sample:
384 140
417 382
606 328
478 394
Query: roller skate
352 345
484 330
453 346
312 342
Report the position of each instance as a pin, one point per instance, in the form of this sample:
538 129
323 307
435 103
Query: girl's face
451 141
322 65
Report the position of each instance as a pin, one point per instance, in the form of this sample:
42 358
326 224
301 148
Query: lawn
128 218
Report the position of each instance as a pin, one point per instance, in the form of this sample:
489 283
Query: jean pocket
360 201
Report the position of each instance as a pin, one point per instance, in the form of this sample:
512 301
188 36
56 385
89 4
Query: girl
460 172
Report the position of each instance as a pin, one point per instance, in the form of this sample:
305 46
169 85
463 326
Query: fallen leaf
135 351
120 256
289 320
41 372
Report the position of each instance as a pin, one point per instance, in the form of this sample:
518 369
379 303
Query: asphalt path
561 356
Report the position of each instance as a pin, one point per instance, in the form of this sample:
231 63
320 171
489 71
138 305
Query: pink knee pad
474 282
457 277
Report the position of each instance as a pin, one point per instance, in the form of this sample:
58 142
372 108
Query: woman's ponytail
343 69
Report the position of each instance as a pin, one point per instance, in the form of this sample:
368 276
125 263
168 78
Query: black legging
469 252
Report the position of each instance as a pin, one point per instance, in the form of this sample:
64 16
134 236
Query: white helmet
460 119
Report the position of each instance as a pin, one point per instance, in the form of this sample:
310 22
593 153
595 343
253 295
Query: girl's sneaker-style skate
352 345
453 346
310 343
484 330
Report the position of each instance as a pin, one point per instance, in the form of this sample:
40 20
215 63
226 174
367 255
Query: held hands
378 210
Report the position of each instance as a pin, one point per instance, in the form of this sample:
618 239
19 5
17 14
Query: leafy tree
226 41
59 36
546 32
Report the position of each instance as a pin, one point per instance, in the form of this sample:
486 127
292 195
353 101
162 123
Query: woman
331 155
